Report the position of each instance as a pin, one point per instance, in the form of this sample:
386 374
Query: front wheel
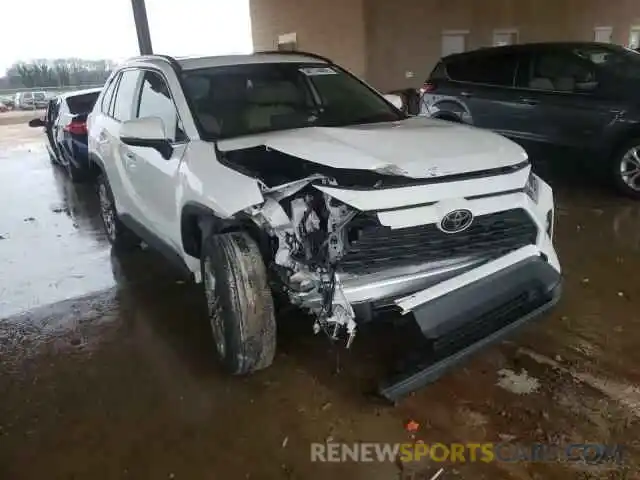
239 301
625 169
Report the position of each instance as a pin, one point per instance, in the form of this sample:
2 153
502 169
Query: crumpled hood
417 147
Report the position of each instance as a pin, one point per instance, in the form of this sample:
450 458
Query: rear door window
108 95
125 101
496 69
557 71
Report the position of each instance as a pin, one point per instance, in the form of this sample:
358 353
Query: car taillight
427 88
76 128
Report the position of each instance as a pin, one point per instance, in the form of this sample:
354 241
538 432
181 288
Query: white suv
282 175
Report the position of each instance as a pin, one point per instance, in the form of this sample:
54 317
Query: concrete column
142 27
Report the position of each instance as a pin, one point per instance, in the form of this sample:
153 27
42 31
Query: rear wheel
76 174
239 301
625 169
117 233
52 157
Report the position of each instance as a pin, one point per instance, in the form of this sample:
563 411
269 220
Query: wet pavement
107 367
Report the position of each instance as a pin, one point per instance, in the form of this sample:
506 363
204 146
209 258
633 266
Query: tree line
58 72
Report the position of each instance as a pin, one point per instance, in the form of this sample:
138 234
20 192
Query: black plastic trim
495 194
411 182
162 145
462 308
157 244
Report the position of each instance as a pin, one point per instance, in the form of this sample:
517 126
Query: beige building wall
385 39
406 35
334 28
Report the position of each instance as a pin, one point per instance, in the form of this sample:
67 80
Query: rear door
561 94
485 85
115 155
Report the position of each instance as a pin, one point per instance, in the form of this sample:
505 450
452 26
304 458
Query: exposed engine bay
309 234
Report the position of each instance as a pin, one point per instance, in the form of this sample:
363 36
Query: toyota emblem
456 221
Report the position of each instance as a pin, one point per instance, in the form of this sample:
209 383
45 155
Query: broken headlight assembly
532 188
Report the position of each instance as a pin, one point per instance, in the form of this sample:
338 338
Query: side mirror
395 100
36 122
147 132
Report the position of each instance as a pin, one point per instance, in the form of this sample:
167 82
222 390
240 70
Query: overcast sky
95 29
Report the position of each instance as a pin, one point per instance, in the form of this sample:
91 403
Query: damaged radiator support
309 227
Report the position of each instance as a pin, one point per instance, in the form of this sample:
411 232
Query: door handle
529 101
466 94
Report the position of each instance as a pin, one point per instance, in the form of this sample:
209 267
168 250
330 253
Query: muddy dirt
107 368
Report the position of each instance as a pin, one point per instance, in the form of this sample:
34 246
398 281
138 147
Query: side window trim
173 101
105 101
112 100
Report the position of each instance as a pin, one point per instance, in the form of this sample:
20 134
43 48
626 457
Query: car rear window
439 72
82 103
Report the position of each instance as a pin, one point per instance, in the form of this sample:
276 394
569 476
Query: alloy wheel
107 211
630 168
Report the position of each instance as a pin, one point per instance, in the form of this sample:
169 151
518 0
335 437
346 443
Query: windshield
252 98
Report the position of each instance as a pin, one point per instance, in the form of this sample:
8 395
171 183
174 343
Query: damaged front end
309 232
345 245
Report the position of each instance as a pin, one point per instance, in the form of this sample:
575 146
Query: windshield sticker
313 71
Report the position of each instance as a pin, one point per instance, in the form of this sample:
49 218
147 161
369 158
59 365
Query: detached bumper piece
473 317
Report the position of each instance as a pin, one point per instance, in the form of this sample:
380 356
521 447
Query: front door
152 176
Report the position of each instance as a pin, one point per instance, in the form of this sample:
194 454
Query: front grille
373 246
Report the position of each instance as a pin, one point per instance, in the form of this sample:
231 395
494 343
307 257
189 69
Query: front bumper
463 321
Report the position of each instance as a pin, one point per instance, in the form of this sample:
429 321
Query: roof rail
167 58
293 52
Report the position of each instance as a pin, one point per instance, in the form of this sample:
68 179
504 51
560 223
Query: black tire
117 233
239 301
76 174
623 161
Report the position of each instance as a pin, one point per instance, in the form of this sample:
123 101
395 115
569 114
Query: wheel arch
621 139
198 221
450 110
95 165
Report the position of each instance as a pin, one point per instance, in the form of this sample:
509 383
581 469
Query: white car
281 174
31 100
